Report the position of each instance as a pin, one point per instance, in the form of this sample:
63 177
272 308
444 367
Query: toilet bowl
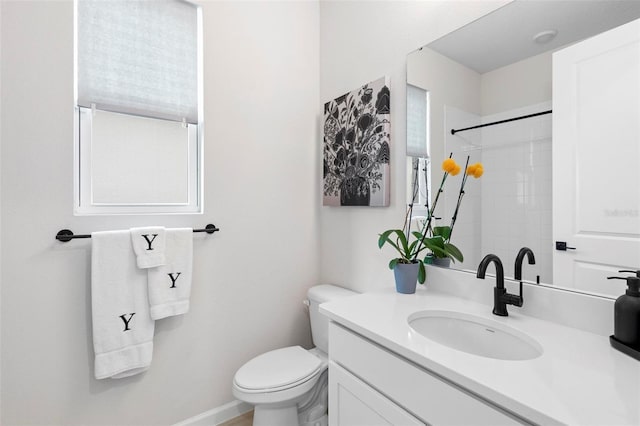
288 386
279 381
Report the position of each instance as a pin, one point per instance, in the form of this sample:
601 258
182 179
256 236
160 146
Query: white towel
149 246
170 285
122 327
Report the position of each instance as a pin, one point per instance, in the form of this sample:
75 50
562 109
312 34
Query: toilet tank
320 323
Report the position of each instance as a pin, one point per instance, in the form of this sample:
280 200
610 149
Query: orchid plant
436 239
443 233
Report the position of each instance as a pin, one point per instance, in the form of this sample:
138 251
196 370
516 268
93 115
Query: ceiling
506 35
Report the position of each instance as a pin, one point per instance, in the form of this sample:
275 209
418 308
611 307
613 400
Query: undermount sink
474 335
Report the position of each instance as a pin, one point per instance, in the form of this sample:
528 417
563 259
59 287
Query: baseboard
217 415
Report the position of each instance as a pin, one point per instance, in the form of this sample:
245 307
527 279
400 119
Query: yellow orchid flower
449 165
476 170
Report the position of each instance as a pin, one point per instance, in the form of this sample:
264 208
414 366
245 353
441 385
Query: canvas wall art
356 147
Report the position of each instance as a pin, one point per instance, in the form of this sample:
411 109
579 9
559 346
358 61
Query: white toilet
288 386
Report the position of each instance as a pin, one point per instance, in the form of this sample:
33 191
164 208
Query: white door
596 160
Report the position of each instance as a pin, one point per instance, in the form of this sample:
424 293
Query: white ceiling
506 35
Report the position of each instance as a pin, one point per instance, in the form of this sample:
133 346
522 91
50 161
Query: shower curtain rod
454 131
66 235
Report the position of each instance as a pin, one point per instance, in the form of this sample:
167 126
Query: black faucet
519 260
500 296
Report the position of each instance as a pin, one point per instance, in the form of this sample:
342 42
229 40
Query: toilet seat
278 370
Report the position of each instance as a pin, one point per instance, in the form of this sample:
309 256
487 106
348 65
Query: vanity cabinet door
354 403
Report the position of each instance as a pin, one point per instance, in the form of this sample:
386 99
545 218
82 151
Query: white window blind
417 122
139 57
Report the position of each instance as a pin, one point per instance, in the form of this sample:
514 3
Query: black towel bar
66 235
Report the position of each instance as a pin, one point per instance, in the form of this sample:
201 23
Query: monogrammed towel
149 244
170 284
122 327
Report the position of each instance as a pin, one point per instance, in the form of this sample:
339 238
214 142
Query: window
418 164
139 128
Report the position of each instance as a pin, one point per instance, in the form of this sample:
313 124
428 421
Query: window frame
83 205
83 197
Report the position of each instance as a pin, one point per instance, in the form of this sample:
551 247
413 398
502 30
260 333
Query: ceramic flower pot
443 262
406 275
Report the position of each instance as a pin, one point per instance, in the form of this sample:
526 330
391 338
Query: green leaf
438 252
393 263
422 273
384 238
454 252
434 242
413 245
403 241
419 242
417 235
442 231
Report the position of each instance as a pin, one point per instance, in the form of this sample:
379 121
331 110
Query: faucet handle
512 299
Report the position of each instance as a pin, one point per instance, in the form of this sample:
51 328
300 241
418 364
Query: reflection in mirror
495 69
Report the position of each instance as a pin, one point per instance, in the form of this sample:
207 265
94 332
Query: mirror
495 69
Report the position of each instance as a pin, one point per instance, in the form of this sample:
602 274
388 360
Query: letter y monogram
126 321
146 237
174 279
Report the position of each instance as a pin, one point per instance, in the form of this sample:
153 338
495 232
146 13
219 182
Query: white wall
450 84
261 188
361 41
517 85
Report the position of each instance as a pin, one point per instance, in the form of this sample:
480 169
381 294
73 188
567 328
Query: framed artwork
356 147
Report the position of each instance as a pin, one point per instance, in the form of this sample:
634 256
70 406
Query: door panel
596 159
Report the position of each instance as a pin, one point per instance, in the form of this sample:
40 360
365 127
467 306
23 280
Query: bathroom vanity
385 371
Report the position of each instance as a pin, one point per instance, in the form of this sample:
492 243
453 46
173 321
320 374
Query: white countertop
579 379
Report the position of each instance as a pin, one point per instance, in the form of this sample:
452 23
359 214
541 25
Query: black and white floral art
356 147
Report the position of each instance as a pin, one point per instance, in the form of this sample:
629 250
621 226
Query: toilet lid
278 368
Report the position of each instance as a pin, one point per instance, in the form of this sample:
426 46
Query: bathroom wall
449 84
361 41
261 188
517 85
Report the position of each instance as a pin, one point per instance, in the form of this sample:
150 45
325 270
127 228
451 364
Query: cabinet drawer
414 388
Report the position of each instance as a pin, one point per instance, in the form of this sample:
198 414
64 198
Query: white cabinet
369 385
354 403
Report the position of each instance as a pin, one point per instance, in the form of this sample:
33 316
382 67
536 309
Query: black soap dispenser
626 335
